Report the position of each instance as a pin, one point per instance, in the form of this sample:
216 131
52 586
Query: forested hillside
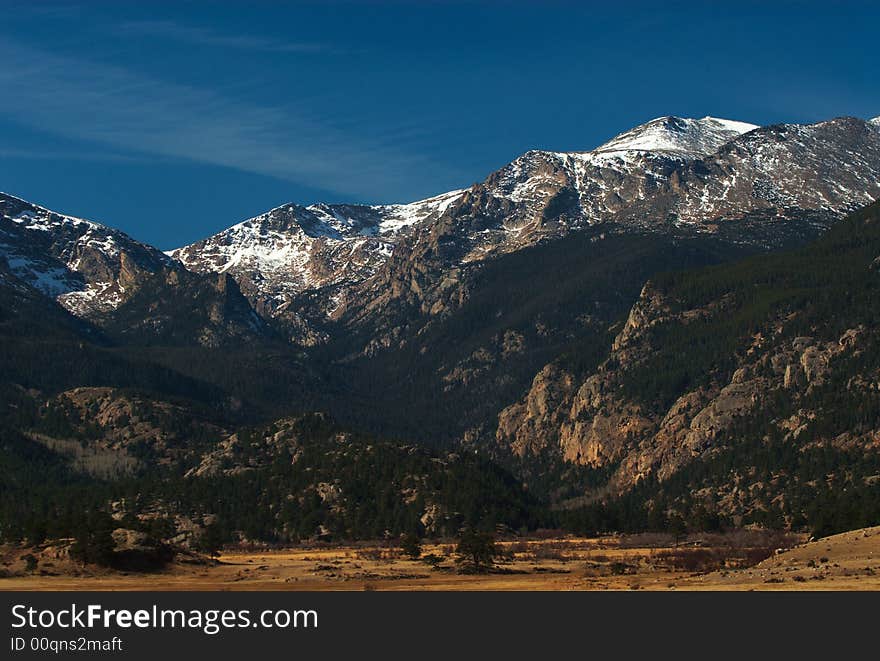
746 392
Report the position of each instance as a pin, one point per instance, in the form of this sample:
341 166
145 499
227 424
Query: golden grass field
849 561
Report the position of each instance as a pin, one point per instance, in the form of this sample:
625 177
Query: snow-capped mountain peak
86 266
678 135
35 217
293 248
875 121
630 167
294 218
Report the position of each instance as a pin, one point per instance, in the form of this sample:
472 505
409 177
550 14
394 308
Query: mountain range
600 325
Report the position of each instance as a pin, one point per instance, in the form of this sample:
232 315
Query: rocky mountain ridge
293 249
767 187
89 268
358 264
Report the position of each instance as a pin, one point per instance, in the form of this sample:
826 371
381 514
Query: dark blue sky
172 121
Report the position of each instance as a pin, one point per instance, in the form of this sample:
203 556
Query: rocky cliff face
592 423
107 429
788 367
176 307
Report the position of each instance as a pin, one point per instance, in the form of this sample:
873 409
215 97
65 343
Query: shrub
476 551
411 545
30 561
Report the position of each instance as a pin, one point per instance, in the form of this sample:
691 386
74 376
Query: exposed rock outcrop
596 423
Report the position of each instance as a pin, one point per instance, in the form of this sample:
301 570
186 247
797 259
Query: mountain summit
88 267
677 135
292 249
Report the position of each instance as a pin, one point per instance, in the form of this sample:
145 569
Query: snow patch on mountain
35 217
691 138
395 217
52 280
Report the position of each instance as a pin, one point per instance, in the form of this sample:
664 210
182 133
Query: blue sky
174 120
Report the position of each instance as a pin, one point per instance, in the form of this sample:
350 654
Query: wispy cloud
125 110
15 153
199 36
